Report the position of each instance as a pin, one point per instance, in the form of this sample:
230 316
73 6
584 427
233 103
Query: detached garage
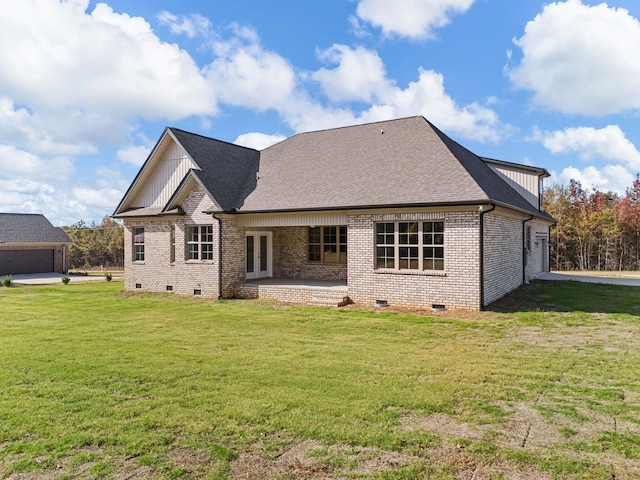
30 244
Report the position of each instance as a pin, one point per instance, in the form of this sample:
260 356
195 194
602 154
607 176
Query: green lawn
97 383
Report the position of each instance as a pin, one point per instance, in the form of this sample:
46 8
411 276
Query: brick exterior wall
156 273
457 287
282 294
503 247
233 256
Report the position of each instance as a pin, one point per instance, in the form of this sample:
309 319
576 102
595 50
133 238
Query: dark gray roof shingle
393 163
227 171
29 228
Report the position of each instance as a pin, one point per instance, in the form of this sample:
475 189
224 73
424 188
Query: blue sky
86 88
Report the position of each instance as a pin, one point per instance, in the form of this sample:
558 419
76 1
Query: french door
258 254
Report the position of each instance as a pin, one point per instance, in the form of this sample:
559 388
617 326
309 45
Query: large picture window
328 244
410 245
200 242
138 244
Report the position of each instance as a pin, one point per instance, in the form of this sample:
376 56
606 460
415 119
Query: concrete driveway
631 281
47 278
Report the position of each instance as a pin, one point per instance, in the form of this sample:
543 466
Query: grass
99 383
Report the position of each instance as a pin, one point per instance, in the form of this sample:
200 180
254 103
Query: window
200 242
172 248
138 244
410 245
328 244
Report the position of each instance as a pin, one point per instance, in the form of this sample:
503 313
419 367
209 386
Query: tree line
96 245
595 230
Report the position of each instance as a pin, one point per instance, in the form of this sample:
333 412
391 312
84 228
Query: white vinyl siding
167 175
525 183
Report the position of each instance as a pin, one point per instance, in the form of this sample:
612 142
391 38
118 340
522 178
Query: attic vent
381 132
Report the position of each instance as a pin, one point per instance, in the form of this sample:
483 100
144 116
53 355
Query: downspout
482 214
219 255
524 249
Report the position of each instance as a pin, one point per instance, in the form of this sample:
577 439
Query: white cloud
18 164
427 96
70 60
581 59
258 141
133 155
247 75
102 199
410 18
614 178
191 25
609 143
359 76
41 134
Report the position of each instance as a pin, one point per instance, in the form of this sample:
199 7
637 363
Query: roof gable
227 171
29 228
224 170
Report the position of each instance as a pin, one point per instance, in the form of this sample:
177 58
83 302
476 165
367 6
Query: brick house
30 244
391 211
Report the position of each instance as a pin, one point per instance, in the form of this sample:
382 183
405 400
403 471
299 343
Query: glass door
258 255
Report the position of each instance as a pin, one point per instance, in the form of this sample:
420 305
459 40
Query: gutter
219 255
483 212
524 249
467 203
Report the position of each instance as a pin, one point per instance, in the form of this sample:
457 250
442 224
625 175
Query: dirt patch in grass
310 460
611 336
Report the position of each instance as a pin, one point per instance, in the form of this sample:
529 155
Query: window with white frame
199 242
327 244
410 245
138 244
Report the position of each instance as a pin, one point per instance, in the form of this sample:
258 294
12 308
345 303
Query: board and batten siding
525 183
167 175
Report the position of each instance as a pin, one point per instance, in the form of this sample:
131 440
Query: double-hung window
327 244
200 242
138 244
410 245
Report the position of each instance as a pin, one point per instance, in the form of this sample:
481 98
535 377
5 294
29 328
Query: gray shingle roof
392 163
395 163
29 228
228 171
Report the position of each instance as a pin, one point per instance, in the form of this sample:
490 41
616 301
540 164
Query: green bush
108 276
65 280
7 281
